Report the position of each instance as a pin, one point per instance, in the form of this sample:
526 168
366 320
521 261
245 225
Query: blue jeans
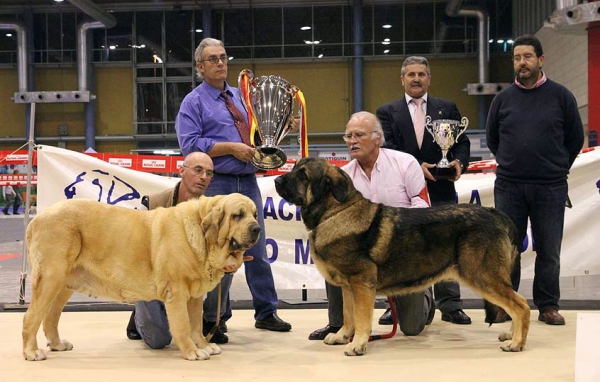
258 271
544 205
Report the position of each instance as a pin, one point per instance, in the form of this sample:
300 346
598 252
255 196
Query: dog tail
491 311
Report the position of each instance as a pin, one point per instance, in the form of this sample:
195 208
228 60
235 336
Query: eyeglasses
358 135
215 60
526 57
199 171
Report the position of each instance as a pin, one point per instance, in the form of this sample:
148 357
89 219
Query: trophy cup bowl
271 101
445 133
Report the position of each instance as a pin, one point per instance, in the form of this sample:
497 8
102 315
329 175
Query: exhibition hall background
143 67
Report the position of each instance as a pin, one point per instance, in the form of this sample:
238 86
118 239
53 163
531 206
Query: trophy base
446 173
269 158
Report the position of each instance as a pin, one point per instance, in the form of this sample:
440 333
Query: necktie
238 119
419 120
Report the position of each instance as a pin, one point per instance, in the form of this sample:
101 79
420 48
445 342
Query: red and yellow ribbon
303 131
244 84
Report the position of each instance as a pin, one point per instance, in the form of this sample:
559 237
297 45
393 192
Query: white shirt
396 180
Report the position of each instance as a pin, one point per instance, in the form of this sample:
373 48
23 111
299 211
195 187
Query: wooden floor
443 352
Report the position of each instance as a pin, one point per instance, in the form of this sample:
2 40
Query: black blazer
399 134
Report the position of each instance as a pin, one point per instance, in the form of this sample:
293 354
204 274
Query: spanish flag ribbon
303 132
244 84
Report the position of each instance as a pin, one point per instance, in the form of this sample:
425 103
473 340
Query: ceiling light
500 41
9 35
385 42
317 42
510 41
386 39
386 51
198 30
321 55
305 28
230 58
386 26
59 1
491 40
112 47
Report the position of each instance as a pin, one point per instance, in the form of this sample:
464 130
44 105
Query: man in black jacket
403 126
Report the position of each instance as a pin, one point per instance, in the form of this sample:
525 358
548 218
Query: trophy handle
464 122
246 85
429 126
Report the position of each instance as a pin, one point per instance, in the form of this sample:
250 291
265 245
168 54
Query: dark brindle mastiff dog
368 249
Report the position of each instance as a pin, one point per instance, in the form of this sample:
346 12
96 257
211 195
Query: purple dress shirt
204 120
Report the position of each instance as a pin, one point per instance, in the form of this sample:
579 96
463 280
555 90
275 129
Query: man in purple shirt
205 124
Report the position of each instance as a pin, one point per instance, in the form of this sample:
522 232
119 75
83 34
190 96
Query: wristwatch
460 163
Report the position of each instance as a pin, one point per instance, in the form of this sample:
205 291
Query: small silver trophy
269 101
445 133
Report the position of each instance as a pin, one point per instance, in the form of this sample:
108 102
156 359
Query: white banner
64 174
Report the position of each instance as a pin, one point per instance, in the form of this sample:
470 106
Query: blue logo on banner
108 187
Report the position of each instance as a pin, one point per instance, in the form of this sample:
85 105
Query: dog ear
339 184
211 223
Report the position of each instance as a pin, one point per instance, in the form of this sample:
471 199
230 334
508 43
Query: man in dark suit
403 123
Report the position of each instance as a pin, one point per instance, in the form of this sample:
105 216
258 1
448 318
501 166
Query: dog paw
505 336
335 339
354 348
34 355
213 349
197 355
62 345
511 347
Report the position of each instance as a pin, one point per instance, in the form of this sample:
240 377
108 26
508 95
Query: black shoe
132 332
223 326
5 213
320 334
456 317
386 318
274 323
218 337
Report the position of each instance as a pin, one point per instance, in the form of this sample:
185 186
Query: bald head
196 174
193 158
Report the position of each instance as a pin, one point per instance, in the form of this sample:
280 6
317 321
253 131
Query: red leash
394 323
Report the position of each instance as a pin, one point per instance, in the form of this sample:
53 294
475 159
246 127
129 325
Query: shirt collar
215 93
539 82
409 98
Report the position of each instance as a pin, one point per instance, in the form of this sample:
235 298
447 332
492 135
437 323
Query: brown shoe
551 317
502 316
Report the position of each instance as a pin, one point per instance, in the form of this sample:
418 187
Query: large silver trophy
269 101
445 133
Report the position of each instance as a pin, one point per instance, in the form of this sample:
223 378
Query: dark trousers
412 309
544 205
447 293
258 271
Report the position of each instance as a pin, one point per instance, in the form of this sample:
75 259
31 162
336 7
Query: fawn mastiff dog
174 255
368 248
